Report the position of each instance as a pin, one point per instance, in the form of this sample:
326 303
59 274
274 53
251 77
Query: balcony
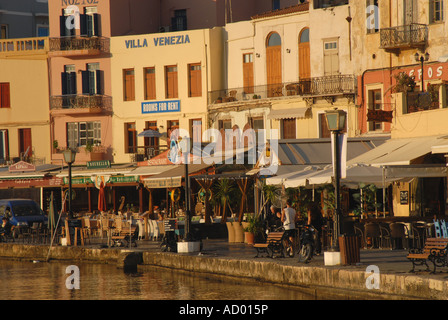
328 86
79 46
404 37
80 104
28 48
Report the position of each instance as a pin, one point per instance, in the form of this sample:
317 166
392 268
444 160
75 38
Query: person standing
289 218
316 220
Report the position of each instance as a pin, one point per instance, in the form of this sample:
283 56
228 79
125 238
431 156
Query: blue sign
161 106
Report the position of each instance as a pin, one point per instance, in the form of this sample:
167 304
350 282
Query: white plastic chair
151 229
141 230
156 230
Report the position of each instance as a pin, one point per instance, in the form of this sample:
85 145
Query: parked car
21 211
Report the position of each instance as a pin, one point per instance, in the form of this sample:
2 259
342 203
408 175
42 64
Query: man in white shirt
289 218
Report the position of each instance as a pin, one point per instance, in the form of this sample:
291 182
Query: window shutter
96 24
64 32
99 81
83 21
64 82
85 82
5 100
72 83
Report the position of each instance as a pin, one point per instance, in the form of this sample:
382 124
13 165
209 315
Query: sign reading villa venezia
158 42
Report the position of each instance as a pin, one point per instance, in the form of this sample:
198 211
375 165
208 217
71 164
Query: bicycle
289 247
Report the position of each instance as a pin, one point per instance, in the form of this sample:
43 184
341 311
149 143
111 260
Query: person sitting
5 230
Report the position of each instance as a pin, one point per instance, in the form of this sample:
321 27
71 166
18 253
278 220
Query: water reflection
47 281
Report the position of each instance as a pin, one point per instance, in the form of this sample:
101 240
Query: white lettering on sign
429 73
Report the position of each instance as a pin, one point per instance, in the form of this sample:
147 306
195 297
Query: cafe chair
399 232
386 241
372 231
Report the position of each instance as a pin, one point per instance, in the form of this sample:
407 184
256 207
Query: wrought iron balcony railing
409 36
74 101
312 87
100 44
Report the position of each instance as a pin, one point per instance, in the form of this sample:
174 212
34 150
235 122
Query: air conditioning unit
165 29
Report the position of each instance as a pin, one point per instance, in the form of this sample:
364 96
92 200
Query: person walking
316 220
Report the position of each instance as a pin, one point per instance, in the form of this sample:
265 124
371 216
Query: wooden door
248 72
25 144
274 65
304 54
289 128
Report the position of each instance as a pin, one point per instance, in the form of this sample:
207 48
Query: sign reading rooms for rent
161 106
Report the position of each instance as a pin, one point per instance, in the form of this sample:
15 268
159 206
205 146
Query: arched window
305 35
274 39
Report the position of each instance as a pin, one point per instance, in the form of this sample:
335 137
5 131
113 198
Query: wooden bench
125 236
435 250
273 244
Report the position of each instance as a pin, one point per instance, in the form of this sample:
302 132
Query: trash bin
349 247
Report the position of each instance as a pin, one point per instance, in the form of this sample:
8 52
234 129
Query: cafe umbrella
101 198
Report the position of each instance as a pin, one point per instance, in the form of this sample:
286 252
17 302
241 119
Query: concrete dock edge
393 286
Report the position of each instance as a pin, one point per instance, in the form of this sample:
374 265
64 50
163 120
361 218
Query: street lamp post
336 123
422 58
69 158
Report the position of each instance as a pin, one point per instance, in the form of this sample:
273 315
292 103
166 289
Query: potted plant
253 229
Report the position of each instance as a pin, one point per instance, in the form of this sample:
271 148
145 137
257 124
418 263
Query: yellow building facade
161 82
24 116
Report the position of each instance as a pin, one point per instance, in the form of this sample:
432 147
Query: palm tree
223 191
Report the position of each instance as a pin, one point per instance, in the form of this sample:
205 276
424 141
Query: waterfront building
390 40
23 19
284 68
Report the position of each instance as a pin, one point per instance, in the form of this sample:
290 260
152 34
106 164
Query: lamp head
336 119
69 155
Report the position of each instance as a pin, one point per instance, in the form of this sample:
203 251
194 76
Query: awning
286 172
399 151
172 178
149 170
417 171
288 113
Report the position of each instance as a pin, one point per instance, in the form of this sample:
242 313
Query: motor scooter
307 243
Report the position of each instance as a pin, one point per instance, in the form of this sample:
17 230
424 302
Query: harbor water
37 280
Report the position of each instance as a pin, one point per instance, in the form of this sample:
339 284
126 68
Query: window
288 127
67 27
69 80
195 80
171 82
92 79
248 72
90 24
4 31
257 124
4 146
150 83
435 11
275 4
225 124
152 142
128 85
171 126
5 96
196 130
25 145
81 134
331 57
179 21
375 103
130 143
373 16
